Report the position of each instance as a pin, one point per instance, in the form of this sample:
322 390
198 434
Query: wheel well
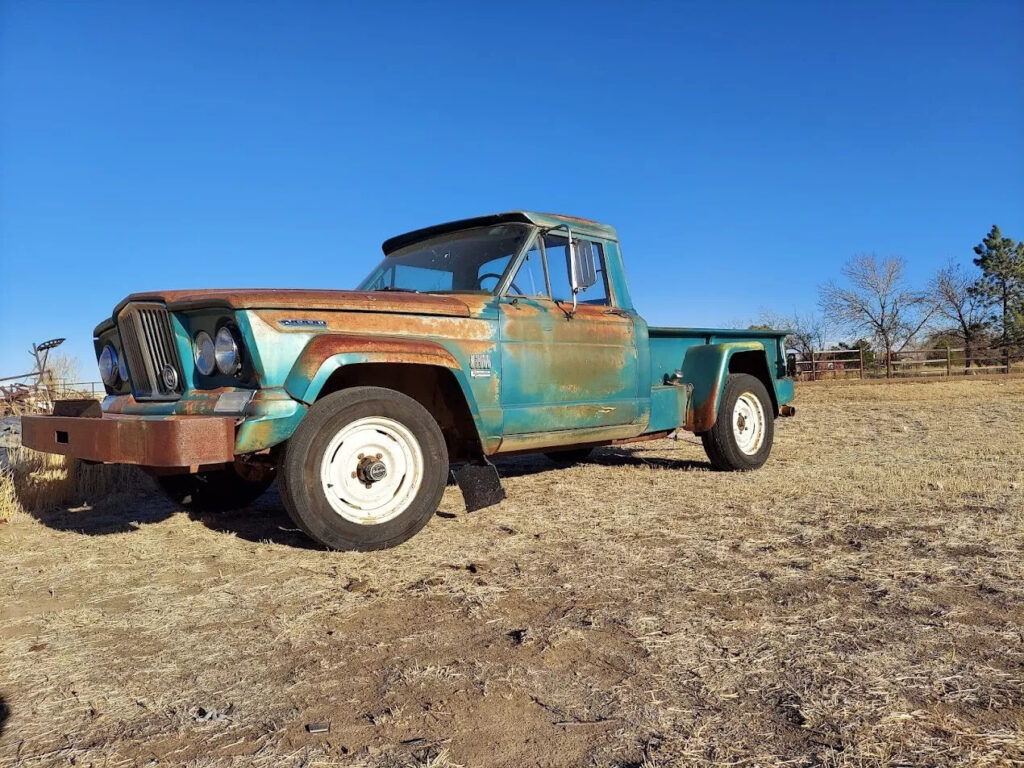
433 387
756 364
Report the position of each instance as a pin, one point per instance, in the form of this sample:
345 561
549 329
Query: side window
598 292
558 267
530 280
557 252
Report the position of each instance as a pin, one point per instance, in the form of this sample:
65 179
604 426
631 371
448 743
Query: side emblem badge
479 366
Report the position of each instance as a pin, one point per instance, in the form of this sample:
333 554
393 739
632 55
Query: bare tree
808 331
877 301
62 370
962 310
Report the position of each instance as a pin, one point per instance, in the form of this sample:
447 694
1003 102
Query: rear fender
705 368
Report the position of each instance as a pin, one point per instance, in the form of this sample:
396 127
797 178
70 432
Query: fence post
861 356
949 362
814 370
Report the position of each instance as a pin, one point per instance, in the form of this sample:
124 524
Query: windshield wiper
397 290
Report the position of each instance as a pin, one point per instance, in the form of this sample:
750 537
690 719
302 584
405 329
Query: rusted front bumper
153 441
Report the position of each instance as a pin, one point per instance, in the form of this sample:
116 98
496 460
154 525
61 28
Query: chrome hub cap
748 423
372 470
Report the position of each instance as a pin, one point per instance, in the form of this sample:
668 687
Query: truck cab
502 334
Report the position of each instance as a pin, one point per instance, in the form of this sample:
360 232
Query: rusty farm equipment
32 392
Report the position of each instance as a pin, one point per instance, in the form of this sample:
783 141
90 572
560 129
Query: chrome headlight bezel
228 350
204 353
109 366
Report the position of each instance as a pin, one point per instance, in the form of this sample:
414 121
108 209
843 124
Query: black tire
720 442
303 492
569 457
217 491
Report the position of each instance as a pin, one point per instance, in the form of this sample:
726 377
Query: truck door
562 370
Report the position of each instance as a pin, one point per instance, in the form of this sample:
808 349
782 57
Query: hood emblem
303 322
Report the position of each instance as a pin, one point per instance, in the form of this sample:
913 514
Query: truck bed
668 350
669 345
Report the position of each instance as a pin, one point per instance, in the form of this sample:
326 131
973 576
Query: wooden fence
79 389
945 361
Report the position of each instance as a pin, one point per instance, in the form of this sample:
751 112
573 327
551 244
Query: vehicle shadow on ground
520 466
5 712
266 520
263 521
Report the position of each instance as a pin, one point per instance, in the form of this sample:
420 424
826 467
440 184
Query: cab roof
547 220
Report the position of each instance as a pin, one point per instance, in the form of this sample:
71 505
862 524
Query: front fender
327 353
705 368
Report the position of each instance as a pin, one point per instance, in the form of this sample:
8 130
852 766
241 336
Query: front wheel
741 438
365 469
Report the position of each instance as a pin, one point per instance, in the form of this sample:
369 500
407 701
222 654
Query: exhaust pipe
787 410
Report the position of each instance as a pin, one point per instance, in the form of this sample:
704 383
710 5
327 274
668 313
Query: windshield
468 261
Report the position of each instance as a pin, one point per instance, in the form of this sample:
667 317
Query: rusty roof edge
577 224
669 331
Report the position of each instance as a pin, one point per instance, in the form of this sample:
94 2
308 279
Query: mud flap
480 485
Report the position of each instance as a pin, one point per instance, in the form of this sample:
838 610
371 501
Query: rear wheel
223 489
741 438
365 469
569 457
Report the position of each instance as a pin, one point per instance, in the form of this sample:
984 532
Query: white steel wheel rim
351 455
748 423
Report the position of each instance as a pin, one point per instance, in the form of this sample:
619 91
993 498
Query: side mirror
583 265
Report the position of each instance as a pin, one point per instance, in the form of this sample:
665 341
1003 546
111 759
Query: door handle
618 312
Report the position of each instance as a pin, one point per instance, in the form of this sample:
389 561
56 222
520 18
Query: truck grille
149 346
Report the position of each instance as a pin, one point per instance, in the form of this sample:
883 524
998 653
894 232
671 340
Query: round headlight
109 367
122 368
204 352
229 359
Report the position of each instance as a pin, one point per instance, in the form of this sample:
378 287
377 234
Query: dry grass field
859 601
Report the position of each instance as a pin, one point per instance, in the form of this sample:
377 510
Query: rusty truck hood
301 298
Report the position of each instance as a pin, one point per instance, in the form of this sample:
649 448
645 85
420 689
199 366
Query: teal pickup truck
497 335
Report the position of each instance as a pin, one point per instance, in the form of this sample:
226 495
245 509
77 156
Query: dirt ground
859 601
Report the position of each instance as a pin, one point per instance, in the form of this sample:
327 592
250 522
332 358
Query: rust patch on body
443 327
702 417
382 349
161 441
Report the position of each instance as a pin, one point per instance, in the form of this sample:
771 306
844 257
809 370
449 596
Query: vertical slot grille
149 347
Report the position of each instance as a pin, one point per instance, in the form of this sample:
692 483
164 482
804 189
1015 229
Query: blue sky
744 150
